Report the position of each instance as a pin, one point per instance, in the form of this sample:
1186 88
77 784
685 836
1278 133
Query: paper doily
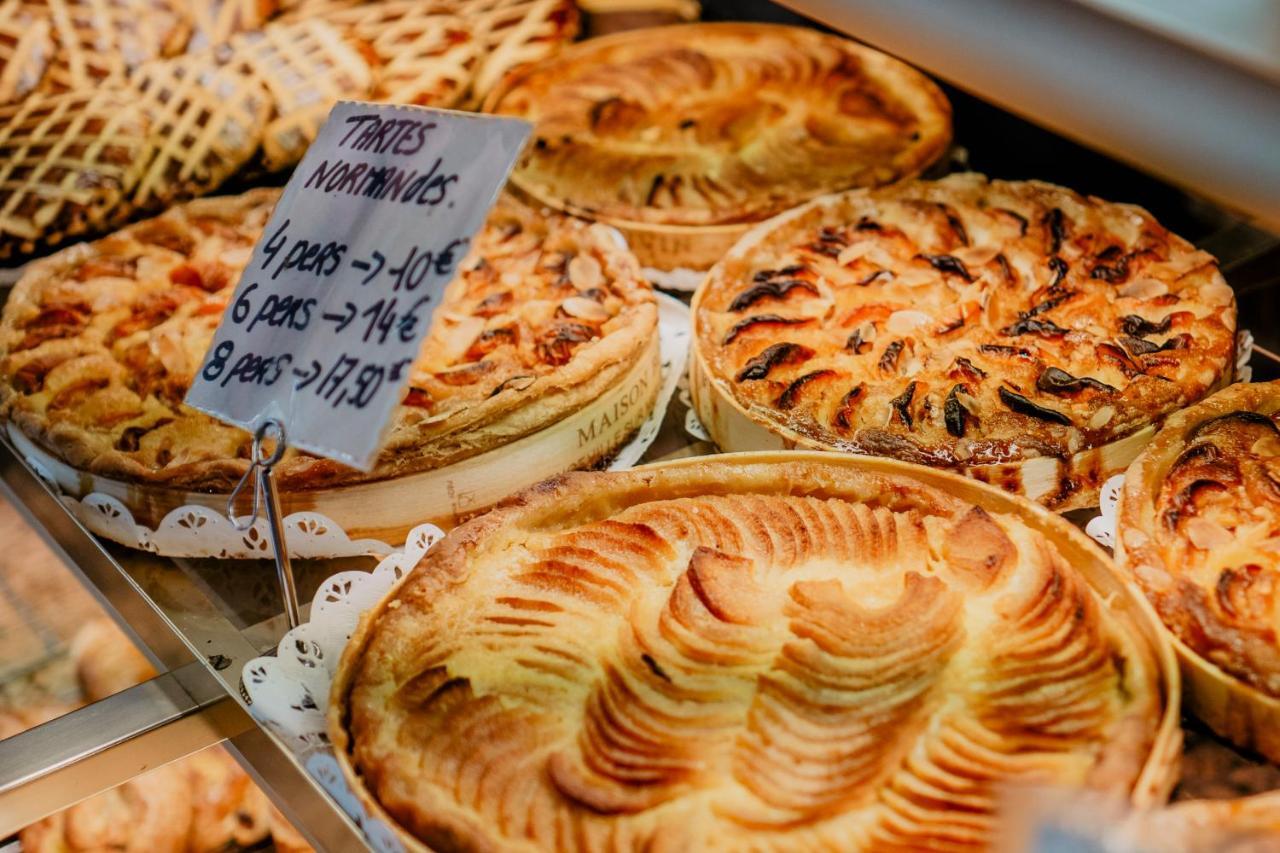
197 531
289 692
1103 527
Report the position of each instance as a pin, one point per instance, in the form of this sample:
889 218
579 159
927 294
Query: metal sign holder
264 493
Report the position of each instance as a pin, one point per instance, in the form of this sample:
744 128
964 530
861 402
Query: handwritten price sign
337 297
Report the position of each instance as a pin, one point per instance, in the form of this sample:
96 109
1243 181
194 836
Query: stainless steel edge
1192 118
86 556
99 746
197 703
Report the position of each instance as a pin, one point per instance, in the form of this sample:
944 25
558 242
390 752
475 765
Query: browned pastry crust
739 653
99 344
718 124
965 322
1199 529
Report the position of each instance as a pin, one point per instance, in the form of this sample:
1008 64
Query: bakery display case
143 633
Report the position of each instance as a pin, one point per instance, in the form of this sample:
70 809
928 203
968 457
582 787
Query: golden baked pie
766 651
1019 332
1199 530
671 131
99 41
99 344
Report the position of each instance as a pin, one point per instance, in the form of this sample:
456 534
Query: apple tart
1017 332
763 651
1198 528
547 325
684 136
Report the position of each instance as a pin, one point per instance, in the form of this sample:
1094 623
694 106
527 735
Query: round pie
1019 332
99 344
683 136
1199 530
766 651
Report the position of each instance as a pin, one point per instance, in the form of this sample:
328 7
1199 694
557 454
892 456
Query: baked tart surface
100 342
718 124
965 323
1199 529
767 651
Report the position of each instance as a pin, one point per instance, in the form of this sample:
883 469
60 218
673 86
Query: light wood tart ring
684 136
676 657
1018 332
1198 529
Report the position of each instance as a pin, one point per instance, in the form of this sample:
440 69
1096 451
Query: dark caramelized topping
1056 223
847 403
1114 274
902 405
866 223
1032 326
761 320
966 368
1059 269
1057 381
773 289
510 382
784 353
1132 324
1006 351
1020 404
788 397
494 303
954 413
557 345
889 358
875 276
856 344
947 264
950 326
1120 358
1056 298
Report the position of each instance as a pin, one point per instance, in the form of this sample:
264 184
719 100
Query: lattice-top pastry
718 124
738 654
67 164
99 41
966 323
99 344
26 48
1199 529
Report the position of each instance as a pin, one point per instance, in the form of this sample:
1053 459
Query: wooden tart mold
1198 529
682 137
674 654
1016 332
543 355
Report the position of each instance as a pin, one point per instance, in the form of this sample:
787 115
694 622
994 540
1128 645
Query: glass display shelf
200 621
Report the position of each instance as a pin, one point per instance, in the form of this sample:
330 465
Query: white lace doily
674 329
197 531
289 692
1103 527
682 279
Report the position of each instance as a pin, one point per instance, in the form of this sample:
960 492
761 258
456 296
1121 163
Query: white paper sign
330 313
